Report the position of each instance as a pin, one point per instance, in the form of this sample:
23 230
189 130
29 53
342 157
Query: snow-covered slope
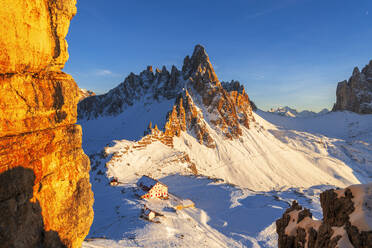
263 158
266 156
225 215
241 169
229 215
344 125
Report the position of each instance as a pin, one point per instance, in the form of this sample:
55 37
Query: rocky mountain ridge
356 94
147 86
198 96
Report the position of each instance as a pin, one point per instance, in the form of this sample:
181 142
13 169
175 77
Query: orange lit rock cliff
45 193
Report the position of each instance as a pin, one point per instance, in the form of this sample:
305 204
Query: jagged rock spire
356 71
198 57
199 62
368 70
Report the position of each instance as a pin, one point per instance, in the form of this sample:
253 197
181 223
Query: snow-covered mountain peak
284 111
200 101
84 93
290 112
152 85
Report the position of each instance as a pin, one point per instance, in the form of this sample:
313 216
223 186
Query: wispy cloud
103 72
279 5
258 14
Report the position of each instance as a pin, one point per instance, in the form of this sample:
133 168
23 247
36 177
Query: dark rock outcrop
347 221
356 94
254 106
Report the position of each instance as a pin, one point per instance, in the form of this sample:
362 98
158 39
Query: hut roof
148 182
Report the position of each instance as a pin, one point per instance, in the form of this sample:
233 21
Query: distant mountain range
290 112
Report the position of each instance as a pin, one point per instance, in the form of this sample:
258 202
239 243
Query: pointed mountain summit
199 62
200 102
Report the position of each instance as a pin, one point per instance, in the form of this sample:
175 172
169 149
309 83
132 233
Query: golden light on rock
44 188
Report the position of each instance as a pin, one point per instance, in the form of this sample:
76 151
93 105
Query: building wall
159 190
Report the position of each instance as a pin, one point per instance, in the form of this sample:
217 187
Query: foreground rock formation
45 193
356 94
194 88
347 221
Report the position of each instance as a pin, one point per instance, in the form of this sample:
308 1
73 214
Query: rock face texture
31 102
45 193
33 35
198 95
356 94
347 221
236 86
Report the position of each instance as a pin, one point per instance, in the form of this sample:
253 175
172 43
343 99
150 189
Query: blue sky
285 52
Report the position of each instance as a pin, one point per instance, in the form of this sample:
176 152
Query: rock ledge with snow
347 221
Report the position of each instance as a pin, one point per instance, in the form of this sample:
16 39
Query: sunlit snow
243 185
